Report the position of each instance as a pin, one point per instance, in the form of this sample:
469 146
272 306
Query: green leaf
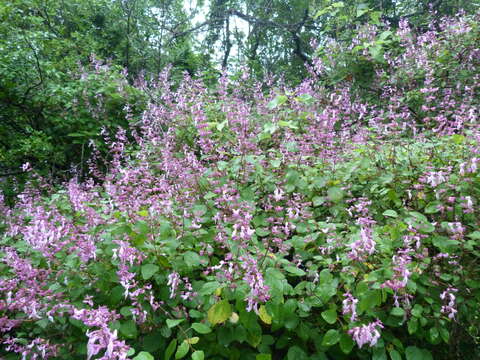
390 213
173 322
369 300
417 310
279 100
263 357
264 316
129 329
306 99
445 335
330 316
379 354
335 194
331 337
193 340
414 353
142 227
143 213
397 311
444 243
295 271
262 232
394 354
131 351
143 355
182 350
318 200
458 139
412 326
201 328
148 270
220 312
209 288
296 353
474 235
362 10
433 207
221 125
346 343
191 258
384 35
434 334
170 349
198 355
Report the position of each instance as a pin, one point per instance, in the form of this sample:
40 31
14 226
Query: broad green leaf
191 258
198 355
474 235
279 100
444 243
458 139
174 322
445 335
384 35
379 354
209 288
201 328
296 353
295 271
182 350
412 326
369 300
390 213
148 270
129 329
262 313
193 340
318 200
263 357
397 311
335 194
330 316
433 207
414 353
417 310
434 334
331 337
394 354
170 349
143 213
143 355
346 343
220 312
306 99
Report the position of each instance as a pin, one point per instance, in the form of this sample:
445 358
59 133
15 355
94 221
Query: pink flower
366 334
350 306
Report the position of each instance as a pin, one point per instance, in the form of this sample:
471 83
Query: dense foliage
337 219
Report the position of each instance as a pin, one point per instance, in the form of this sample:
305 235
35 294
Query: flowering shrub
304 223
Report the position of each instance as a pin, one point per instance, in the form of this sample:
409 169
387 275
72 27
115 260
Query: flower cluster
366 334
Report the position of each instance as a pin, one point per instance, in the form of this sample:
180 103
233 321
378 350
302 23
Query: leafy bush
299 224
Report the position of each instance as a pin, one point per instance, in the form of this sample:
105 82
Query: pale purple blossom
366 334
350 306
106 340
449 307
173 282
